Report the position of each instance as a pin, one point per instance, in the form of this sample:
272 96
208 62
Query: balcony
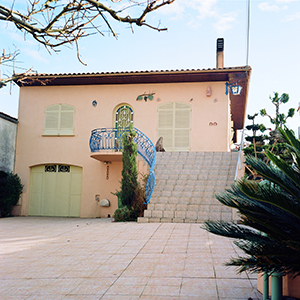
106 144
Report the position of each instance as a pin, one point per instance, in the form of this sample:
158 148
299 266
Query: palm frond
271 206
276 176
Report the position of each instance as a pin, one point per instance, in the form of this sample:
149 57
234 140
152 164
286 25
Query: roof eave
139 77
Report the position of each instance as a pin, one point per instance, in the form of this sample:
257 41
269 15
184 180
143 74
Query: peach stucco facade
210 130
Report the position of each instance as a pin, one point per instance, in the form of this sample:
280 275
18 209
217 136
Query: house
69 129
8 134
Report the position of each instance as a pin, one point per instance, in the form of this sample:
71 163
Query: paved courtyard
87 259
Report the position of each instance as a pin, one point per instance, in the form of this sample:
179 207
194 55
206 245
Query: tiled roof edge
242 68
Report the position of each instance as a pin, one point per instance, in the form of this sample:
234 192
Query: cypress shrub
132 195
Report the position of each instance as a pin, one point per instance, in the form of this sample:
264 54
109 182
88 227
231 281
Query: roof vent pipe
220 53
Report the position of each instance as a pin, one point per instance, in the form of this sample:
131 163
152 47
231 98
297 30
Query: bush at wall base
124 214
10 192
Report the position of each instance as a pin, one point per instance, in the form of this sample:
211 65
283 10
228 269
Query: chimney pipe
220 53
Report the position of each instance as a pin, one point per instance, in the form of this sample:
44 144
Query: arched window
174 126
59 119
124 116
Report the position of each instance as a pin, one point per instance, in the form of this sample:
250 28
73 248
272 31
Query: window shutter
165 119
59 120
167 138
166 124
182 126
167 106
174 126
66 120
51 120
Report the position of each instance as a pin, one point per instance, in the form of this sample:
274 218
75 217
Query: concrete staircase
186 183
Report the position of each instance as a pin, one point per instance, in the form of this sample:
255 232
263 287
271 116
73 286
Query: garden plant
269 209
132 195
10 190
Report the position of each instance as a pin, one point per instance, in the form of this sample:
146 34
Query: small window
59 120
124 116
57 168
50 168
63 169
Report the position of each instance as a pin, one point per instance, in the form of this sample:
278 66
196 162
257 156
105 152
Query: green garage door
55 190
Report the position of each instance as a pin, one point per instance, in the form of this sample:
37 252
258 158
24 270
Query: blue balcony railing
112 139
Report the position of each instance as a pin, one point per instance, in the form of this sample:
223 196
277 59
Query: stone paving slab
86 259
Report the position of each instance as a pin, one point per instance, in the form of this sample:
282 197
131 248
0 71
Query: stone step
186 184
192 184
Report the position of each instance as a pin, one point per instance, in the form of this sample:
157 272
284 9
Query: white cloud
180 7
205 9
177 8
15 34
225 22
293 17
285 1
35 55
266 6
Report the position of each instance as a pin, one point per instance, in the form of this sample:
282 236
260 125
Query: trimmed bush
131 213
10 192
124 214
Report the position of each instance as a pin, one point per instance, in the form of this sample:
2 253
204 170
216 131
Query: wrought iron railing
112 139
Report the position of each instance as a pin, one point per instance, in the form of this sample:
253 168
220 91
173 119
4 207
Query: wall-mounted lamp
145 96
234 88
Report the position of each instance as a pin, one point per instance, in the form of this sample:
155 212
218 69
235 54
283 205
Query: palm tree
269 229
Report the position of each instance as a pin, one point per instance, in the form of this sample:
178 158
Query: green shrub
128 214
10 191
138 205
132 195
124 214
129 172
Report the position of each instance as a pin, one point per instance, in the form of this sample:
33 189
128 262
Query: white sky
189 43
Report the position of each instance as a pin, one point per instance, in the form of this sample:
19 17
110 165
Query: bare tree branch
54 23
